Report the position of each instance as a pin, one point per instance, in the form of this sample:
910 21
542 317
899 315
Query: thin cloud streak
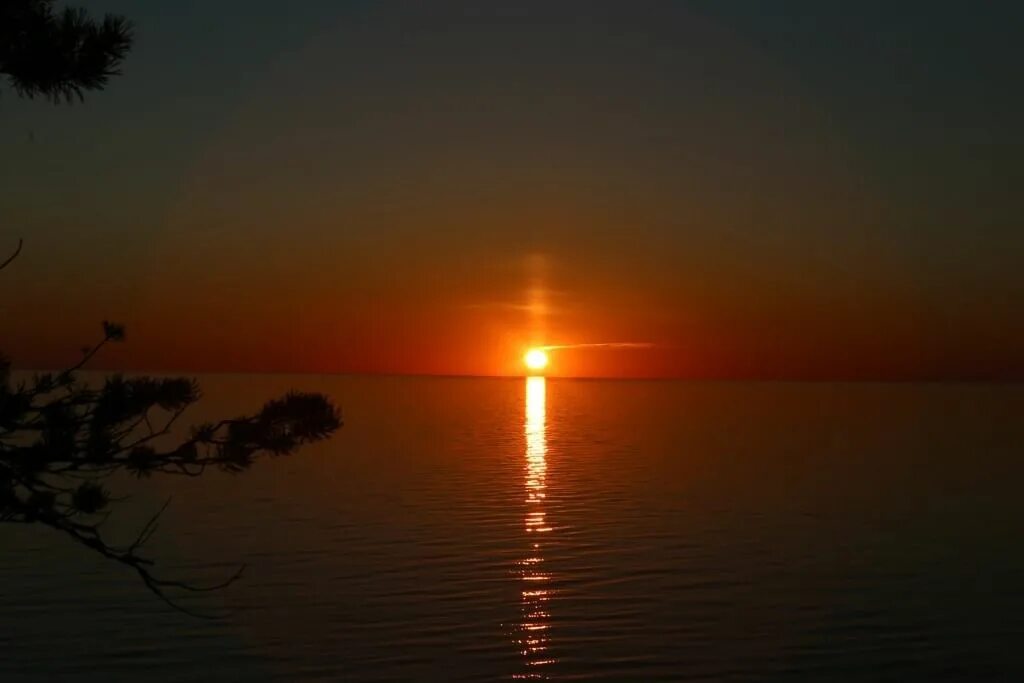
500 305
602 345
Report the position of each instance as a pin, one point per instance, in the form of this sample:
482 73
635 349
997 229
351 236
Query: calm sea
497 529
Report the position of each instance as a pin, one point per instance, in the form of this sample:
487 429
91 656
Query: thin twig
14 255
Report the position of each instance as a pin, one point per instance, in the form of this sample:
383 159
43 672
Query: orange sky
410 191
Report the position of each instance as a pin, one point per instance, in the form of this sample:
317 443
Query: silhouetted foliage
61 438
59 55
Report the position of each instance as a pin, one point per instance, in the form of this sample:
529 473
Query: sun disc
536 359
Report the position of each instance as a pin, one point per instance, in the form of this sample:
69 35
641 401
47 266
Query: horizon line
837 379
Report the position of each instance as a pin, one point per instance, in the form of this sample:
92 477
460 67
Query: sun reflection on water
532 630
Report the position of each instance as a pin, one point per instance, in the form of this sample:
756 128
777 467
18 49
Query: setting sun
536 359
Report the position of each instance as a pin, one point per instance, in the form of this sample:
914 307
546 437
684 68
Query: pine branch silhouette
59 55
60 439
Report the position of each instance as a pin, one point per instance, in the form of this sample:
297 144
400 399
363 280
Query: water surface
487 529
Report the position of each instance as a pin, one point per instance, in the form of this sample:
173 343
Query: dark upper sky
744 188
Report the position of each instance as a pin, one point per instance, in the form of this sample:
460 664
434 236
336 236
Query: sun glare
536 359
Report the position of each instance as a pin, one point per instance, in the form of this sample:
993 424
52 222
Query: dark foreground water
466 529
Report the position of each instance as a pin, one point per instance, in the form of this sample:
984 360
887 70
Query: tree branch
60 440
13 256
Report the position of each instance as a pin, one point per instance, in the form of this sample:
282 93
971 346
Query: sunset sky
724 188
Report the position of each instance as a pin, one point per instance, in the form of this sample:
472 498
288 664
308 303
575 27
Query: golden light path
532 636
